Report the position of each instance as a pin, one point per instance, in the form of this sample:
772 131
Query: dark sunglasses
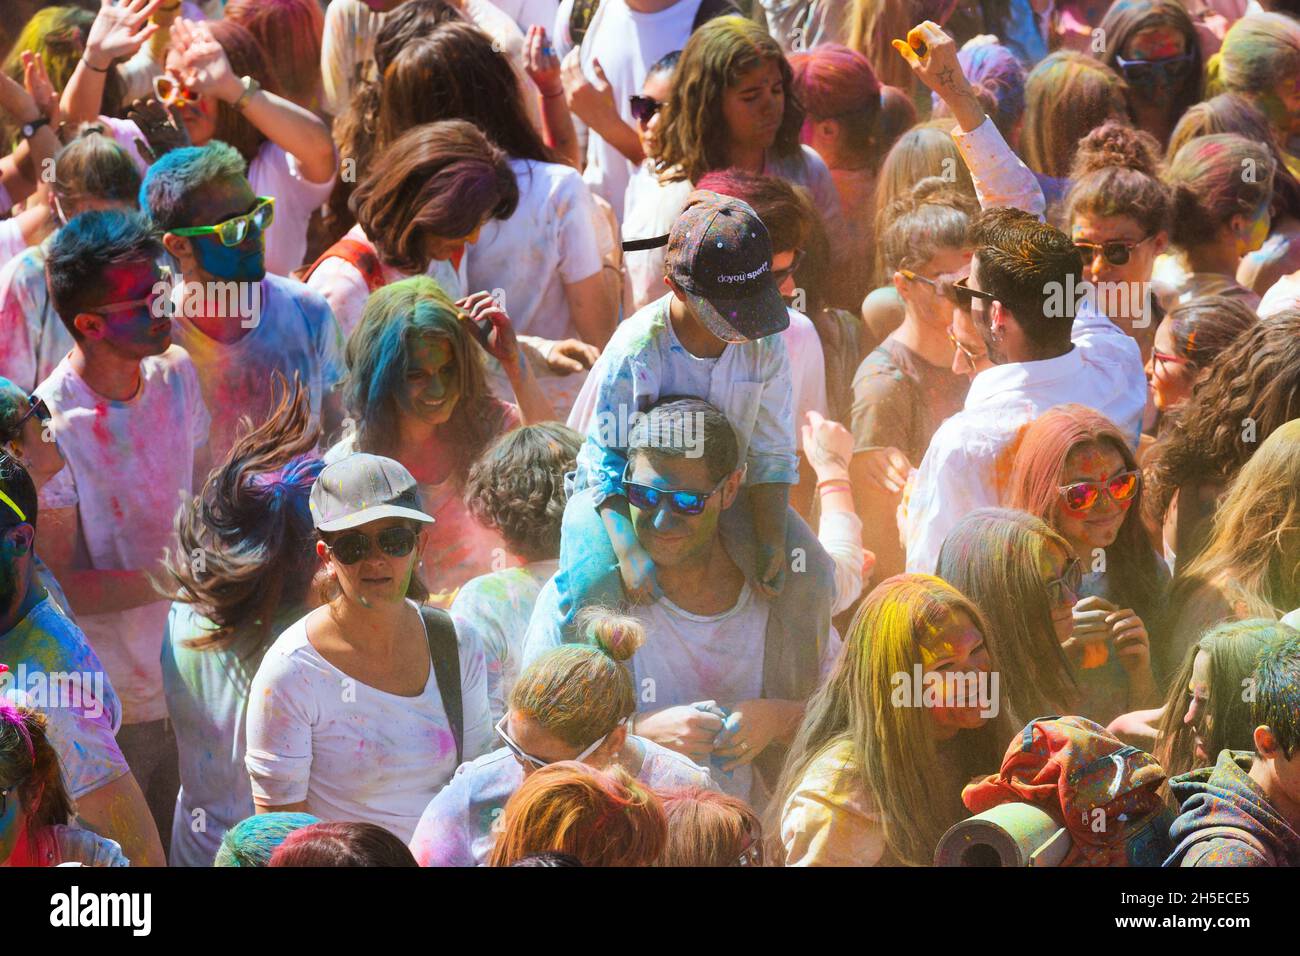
1116 251
35 406
648 498
643 107
780 276
964 293
1173 69
1084 495
1070 581
353 546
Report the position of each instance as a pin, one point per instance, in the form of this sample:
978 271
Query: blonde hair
580 692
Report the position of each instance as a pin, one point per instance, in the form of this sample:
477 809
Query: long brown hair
1066 95
873 24
896 755
692 133
455 73
1233 647
244 546
439 179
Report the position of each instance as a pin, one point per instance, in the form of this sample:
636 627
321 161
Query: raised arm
205 68
117 34
1000 177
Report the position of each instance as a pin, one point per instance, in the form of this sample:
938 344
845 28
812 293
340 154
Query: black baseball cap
720 256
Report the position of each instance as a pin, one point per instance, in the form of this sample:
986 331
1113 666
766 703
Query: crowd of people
647 432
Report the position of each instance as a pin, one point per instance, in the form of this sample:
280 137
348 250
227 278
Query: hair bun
1115 144
618 635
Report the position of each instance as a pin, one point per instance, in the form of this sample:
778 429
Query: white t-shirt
627 44
807 370
53 669
1282 294
273 172
344 286
527 13
351 751
127 466
33 339
295 334
498 606
11 240
549 242
207 699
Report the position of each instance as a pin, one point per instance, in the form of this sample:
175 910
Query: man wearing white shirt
1021 294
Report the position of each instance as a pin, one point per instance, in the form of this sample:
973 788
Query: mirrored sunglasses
649 498
235 230
1084 495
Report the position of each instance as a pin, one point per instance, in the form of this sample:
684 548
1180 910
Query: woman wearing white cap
363 709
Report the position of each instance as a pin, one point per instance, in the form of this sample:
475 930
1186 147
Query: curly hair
1252 388
517 487
1117 173
245 550
692 131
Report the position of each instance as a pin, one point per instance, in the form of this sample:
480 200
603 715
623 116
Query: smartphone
481 329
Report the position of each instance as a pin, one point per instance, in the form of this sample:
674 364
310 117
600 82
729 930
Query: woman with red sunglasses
1074 470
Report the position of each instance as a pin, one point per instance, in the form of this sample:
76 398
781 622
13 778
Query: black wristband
91 66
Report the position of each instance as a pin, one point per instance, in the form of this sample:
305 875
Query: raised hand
202 64
119 30
541 64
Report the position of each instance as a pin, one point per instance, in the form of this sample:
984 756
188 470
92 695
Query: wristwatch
251 86
29 129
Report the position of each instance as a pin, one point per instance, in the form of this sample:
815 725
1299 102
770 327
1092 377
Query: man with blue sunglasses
726 670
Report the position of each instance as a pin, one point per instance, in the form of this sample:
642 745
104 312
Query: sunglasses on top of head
353 546
1084 495
643 108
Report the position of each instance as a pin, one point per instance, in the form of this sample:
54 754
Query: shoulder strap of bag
351 251
445 654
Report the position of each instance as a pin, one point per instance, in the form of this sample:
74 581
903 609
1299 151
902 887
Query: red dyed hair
293 28
601 817
1036 476
708 828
